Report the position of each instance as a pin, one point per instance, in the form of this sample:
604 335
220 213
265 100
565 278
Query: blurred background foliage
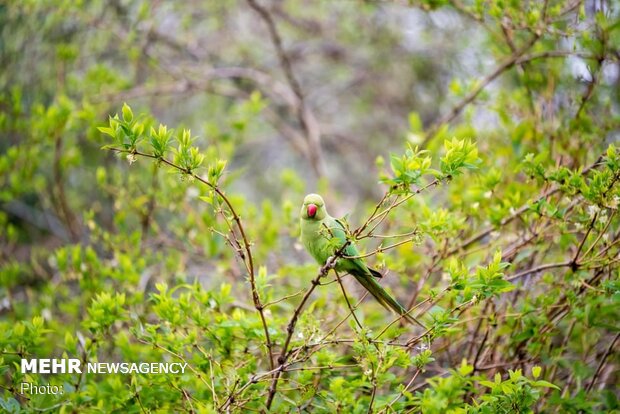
113 256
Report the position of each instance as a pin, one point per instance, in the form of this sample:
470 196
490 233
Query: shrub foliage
491 209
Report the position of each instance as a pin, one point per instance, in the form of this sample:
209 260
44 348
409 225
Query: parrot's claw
330 263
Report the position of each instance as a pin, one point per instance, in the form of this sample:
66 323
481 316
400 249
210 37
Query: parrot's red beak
311 210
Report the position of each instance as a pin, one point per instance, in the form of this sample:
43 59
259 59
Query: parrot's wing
363 274
340 232
351 250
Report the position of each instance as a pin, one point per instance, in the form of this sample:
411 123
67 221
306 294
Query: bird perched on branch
324 236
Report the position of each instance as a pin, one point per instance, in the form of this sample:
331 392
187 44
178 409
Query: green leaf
415 122
107 131
465 368
127 113
547 384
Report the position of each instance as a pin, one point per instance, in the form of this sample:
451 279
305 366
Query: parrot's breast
314 240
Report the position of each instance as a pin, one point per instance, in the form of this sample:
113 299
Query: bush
485 190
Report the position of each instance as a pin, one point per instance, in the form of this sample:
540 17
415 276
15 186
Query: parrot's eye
312 210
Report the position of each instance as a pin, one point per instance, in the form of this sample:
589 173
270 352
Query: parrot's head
313 208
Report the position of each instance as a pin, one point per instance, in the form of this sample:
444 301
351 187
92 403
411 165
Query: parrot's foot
330 263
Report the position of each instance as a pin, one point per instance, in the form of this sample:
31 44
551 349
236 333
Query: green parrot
318 228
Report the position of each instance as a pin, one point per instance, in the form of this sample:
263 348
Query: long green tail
384 298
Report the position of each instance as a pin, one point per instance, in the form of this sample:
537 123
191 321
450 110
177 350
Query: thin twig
306 119
401 393
539 269
329 264
600 365
246 255
470 97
